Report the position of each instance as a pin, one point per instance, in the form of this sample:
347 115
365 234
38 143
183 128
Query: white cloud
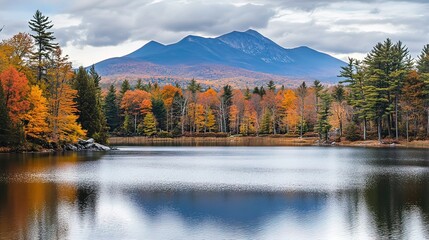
93 30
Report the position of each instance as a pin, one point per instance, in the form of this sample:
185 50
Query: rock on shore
86 145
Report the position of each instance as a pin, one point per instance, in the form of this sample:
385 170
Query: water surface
216 193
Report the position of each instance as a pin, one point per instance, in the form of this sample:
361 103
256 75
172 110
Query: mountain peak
241 52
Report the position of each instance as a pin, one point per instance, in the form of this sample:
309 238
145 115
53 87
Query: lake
216 193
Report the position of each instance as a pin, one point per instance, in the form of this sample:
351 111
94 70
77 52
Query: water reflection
391 203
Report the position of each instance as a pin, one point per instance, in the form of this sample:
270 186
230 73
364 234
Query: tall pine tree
91 116
43 38
111 109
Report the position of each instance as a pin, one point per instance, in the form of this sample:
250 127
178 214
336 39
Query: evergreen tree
323 125
271 86
423 71
423 60
128 124
139 85
125 86
43 38
111 109
302 93
95 77
160 113
262 91
247 94
318 87
256 90
339 97
226 103
386 65
91 116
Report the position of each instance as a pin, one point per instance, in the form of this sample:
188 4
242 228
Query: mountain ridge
238 52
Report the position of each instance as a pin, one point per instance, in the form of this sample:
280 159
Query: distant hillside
237 55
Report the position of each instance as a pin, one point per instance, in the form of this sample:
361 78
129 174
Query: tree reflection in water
34 204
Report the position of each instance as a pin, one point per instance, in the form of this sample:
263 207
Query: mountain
235 55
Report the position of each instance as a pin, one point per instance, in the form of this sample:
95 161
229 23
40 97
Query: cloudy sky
93 30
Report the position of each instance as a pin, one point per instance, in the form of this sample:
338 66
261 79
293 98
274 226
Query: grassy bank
213 141
252 141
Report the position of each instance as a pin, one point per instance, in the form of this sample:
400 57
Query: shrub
352 132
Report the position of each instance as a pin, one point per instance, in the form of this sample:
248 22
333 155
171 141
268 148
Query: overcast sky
93 30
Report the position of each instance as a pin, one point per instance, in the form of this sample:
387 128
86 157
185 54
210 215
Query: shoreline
257 141
250 141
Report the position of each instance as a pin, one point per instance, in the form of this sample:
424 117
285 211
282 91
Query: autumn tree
412 102
168 92
288 108
149 125
5 123
15 90
131 104
63 117
16 52
36 118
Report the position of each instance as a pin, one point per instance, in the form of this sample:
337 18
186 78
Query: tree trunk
389 125
135 123
406 127
364 129
427 129
379 128
396 118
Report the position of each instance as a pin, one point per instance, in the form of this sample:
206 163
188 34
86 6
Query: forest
45 103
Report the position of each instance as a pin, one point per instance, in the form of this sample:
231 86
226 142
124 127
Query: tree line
45 102
383 96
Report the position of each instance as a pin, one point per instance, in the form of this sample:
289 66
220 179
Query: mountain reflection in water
216 193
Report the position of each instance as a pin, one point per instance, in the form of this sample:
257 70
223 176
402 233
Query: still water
216 193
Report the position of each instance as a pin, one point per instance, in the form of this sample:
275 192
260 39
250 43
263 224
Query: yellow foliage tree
289 106
62 108
37 126
210 120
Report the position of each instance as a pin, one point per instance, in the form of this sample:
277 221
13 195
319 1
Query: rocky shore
86 145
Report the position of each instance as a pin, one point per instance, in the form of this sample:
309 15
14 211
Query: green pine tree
226 103
323 127
302 93
111 109
43 39
91 115
160 112
271 86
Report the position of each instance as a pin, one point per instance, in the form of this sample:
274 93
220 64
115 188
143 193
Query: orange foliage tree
15 88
